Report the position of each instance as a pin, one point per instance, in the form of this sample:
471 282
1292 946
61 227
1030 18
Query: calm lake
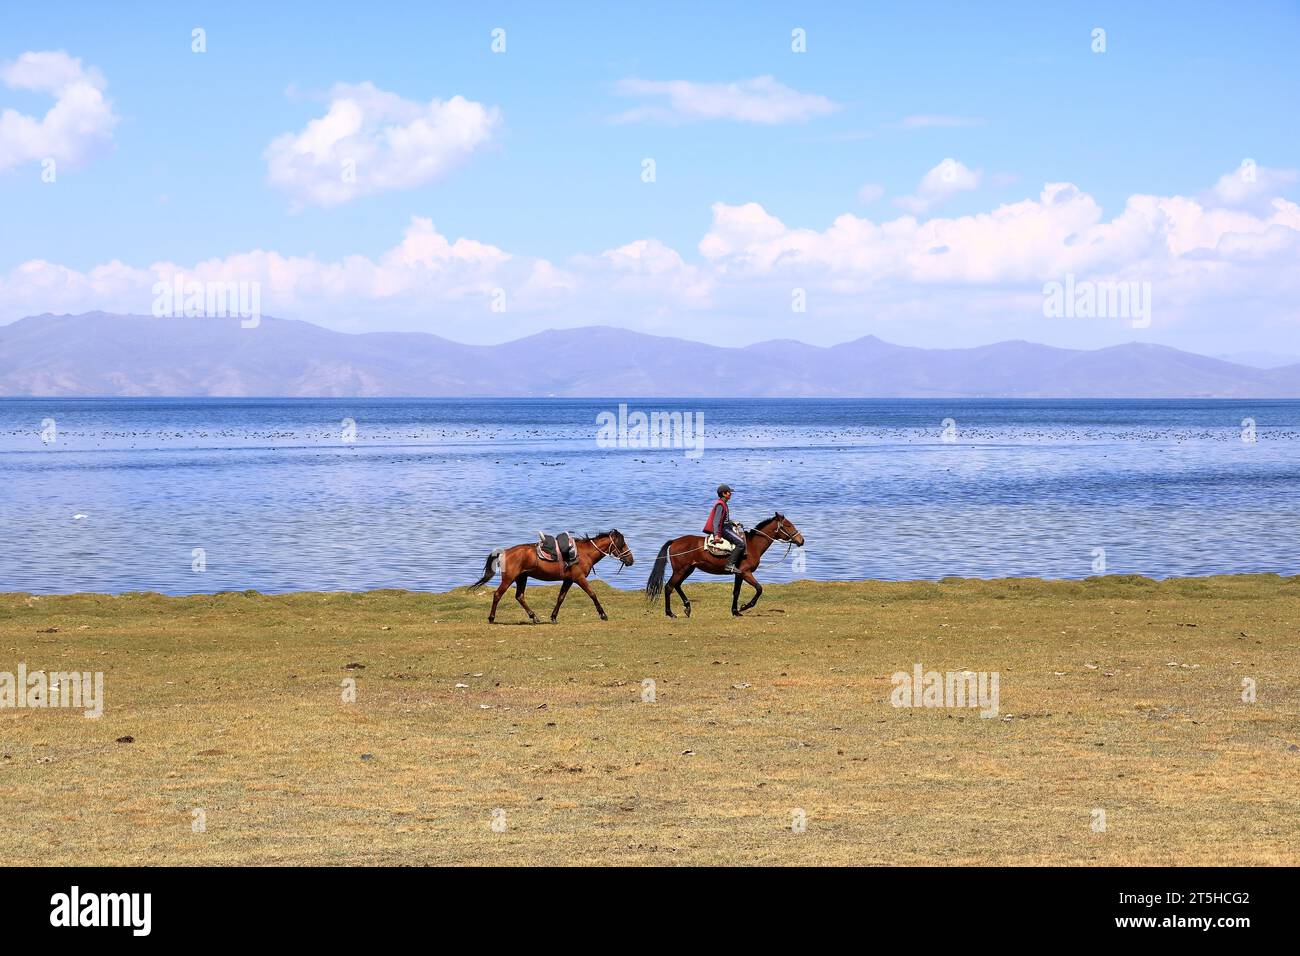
116 495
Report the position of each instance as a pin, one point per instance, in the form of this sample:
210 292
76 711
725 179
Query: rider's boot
733 563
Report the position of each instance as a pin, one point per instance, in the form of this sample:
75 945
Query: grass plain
1118 694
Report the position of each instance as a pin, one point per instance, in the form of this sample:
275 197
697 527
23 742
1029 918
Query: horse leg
520 584
506 581
735 597
564 589
752 581
582 583
686 602
671 586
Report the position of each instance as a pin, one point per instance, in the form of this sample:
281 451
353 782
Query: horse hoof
604 617
552 620
670 614
688 610
736 614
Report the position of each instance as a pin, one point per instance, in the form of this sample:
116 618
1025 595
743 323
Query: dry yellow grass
235 706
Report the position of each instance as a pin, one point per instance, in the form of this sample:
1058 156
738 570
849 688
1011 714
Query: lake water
280 499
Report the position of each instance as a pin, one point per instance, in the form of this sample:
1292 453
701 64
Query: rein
612 552
789 541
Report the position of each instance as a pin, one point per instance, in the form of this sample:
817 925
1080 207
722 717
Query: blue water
279 501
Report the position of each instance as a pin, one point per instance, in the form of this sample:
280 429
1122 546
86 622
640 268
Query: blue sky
1183 93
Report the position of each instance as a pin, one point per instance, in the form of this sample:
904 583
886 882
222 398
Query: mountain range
99 354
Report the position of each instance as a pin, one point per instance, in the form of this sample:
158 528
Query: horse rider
720 524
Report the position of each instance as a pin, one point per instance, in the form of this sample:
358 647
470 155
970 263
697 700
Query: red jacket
719 511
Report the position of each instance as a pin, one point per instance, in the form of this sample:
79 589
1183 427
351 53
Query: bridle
613 551
780 523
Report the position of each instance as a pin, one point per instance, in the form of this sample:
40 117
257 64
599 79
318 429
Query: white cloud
760 100
648 271
1224 271
77 127
940 184
1060 231
1251 185
1230 273
371 141
423 280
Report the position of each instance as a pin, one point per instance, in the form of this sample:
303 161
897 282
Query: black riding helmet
723 489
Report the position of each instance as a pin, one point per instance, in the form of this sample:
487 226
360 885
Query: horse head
618 547
786 531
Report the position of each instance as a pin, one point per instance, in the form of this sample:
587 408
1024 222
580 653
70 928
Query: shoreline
1091 582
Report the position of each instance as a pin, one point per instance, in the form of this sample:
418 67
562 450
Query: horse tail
655 586
490 567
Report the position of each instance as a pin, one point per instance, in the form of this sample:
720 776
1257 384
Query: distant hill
1261 359
126 355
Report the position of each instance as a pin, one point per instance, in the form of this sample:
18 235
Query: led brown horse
688 553
521 562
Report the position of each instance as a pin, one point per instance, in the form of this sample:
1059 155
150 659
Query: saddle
557 547
717 545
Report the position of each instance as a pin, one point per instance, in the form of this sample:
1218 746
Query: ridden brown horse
521 562
688 553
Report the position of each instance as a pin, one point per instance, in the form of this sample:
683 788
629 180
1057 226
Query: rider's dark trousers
738 541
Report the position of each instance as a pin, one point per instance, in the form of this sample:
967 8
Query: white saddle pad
718 546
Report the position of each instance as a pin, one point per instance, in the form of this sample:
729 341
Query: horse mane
762 524
598 534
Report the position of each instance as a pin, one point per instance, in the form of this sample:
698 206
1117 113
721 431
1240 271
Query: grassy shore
1117 694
